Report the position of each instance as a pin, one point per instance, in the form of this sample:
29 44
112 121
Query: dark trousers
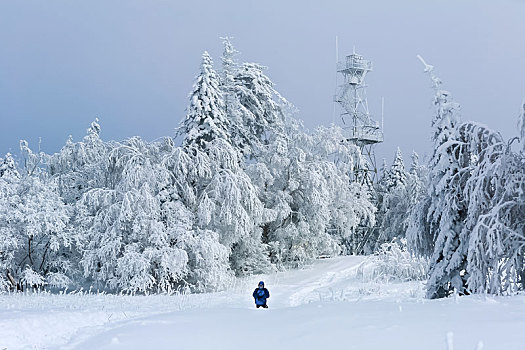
263 306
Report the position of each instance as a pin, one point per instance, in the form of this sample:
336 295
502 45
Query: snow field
327 306
338 325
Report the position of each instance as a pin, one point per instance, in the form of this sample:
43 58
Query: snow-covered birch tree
496 219
315 208
36 246
80 166
127 242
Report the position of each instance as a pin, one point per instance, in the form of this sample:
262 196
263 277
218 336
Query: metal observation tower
359 127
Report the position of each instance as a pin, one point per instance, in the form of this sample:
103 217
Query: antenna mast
336 60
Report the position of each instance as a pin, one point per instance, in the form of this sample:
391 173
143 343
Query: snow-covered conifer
418 199
393 202
261 106
229 63
397 175
205 119
447 210
383 171
240 136
8 167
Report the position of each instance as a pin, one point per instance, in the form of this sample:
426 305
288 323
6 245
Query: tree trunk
14 285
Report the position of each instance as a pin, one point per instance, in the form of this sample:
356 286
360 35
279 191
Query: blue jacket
260 295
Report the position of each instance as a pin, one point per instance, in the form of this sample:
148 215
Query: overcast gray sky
132 63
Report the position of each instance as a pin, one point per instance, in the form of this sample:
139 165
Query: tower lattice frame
360 129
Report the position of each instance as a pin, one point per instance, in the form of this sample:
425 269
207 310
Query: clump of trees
464 211
249 190
471 221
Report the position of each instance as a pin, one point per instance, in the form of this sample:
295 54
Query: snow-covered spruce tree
442 231
416 182
223 200
239 135
393 202
380 187
8 167
421 231
36 241
418 241
229 66
205 120
396 176
416 169
384 173
380 190
231 102
262 108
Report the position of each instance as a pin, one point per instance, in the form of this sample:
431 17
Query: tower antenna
336 49
383 114
336 60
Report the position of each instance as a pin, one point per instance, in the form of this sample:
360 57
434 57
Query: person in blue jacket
260 295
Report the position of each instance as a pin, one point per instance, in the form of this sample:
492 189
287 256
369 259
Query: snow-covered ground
327 306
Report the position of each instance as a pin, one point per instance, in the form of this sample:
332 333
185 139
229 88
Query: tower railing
365 134
354 62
